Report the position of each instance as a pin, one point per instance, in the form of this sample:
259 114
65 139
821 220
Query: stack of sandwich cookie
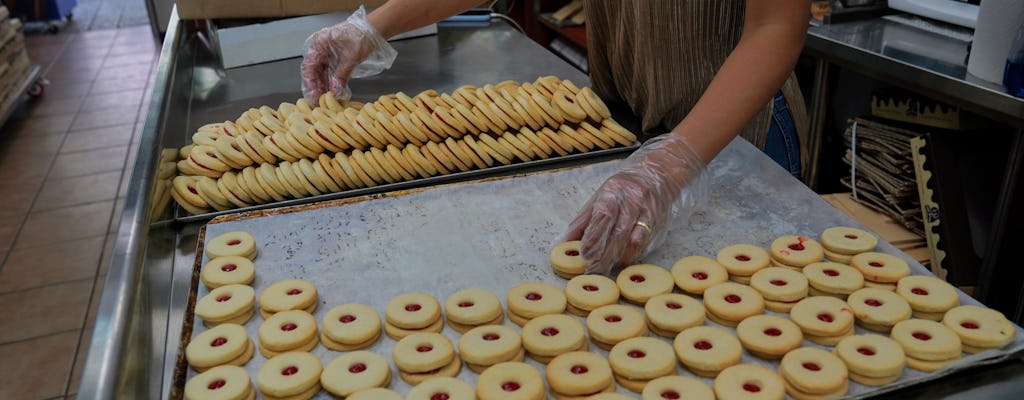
225 344
289 294
375 394
638 283
235 243
442 388
706 351
878 309
880 270
841 243
355 371
227 270
742 261
586 293
694 274
929 297
293 330
411 313
614 323
824 320
811 373
350 327
487 345
671 313
795 252
533 299
929 345
470 308
749 382
769 337
729 303
226 304
548 336
225 382
293 375
567 261
510 381
780 287
637 361
980 328
425 355
578 375
872 360
832 279
677 387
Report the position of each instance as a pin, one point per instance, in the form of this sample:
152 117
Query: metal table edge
103 374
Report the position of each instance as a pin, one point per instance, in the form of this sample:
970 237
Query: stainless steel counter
133 349
934 65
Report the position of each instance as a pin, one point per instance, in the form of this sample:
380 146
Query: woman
703 71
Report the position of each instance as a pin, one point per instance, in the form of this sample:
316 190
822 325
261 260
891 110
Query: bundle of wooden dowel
300 150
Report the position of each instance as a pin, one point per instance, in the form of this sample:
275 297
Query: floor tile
86 339
44 311
97 138
108 117
57 106
46 265
137 71
112 100
17 198
67 89
88 162
57 193
24 169
25 146
131 48
52 355
61 73
41 126
115 218
9 230
117 85
64 224
130 59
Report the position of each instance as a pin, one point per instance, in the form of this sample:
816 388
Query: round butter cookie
848 241
548 336
236 243
614 323
743 259
768 336
638 283
567 260
706 350
871 356
980 328
928 293
412 311
375 394
226 304
833 277
230 270
749 382
469 308
422 352
293 330
225 382
813 371
670 313
289 294
797 251
293 375
729 303
822 316
677 387
350 327
225 344
442 388
694 274
510 381
533 299
487 345
878 309
579 374
585 293
355 371
880 267
642 358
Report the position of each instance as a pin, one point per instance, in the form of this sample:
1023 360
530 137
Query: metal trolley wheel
38 87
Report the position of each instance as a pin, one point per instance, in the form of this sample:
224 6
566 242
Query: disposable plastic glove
351 49
660 181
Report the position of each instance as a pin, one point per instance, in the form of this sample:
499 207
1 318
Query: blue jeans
783 144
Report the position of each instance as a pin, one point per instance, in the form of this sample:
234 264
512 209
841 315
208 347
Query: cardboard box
204 9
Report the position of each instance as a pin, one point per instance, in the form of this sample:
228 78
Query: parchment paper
496 234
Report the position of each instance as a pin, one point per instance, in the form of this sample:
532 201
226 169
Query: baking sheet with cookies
497 233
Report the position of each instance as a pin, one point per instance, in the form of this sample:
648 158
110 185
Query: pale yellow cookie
442 388
510 381
980 328
743 259
638 283
422 352
694 274
289 294
228 270
290 375
225 344
822 316
928 293
223 382
871 356
351 324
589 292
355 371
226 303
614 323
813 371
673 312
287 331
578 374
706 351
780 284
552 335
768 336
878 308
490 344
642 358
235 243
732 302
567 260
414 310
472 307
927 340
880 267
797 250
848 241
533 299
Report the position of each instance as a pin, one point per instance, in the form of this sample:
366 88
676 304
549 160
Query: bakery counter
134 346
133 350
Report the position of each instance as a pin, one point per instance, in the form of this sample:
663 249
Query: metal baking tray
497 232
182 216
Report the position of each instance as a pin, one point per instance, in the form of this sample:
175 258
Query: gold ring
645 226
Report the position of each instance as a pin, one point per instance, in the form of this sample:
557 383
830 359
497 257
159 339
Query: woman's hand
353 48
629 213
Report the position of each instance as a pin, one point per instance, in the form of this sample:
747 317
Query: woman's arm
398 16
773 35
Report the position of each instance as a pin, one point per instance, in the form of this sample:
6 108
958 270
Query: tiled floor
62 160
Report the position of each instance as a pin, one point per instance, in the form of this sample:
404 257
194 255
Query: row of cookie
268 183
303 135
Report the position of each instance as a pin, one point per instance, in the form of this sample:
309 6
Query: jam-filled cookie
637 361
548 336
811 373
929 345
292 375
293 330
749 382
586 293
614 323
226 304
729 303
510 381
350 327
487 345
878 309
638 283
469 308
289 294
980 328
823 320
743 260
410 313
567 260
782 288
929 297
677 387
579 374
844 240
533 299
224 382
768 336
225 344
706 350
694 274
355 371
237 243
230 270
796 251
442 388
872 360
670 313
